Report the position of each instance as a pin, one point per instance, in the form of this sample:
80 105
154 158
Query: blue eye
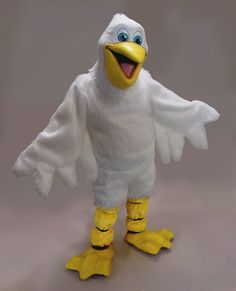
123 36
138 39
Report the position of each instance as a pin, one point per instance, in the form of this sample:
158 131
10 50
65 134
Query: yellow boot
137 235
96 260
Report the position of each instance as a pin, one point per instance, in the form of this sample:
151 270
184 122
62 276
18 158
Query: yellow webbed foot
149 241
92 262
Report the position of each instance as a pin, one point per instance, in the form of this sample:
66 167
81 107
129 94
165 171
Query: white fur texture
114 132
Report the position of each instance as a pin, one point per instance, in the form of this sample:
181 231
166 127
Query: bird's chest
118 117
121 129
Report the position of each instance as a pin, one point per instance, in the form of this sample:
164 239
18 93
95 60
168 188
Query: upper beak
130 50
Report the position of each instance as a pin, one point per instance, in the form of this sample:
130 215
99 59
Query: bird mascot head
123 49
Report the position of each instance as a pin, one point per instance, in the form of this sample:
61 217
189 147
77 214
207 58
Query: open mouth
127 65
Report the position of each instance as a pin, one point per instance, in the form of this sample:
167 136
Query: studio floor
37 240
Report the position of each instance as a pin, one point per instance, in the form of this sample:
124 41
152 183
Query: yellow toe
149 241
151 248
92 262
166 233
73 263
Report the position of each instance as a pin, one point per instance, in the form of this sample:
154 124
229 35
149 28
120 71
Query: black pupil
138 40
123 37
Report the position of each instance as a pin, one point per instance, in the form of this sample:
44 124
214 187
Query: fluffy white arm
176 118
58 146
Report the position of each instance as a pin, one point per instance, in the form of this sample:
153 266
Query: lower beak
123 62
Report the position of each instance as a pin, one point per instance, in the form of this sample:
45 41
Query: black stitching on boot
102 230
141 218
99 248
131 231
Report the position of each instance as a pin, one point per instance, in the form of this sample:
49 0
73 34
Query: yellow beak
123 62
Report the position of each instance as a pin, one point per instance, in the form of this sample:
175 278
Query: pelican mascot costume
114 119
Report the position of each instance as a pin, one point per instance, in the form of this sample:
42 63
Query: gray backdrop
44 45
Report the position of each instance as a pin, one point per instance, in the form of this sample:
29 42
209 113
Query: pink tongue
127 69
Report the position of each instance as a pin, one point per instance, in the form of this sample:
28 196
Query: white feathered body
114 136
121 129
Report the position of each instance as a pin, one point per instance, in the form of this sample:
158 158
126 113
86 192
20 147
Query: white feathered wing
59 145
176 118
